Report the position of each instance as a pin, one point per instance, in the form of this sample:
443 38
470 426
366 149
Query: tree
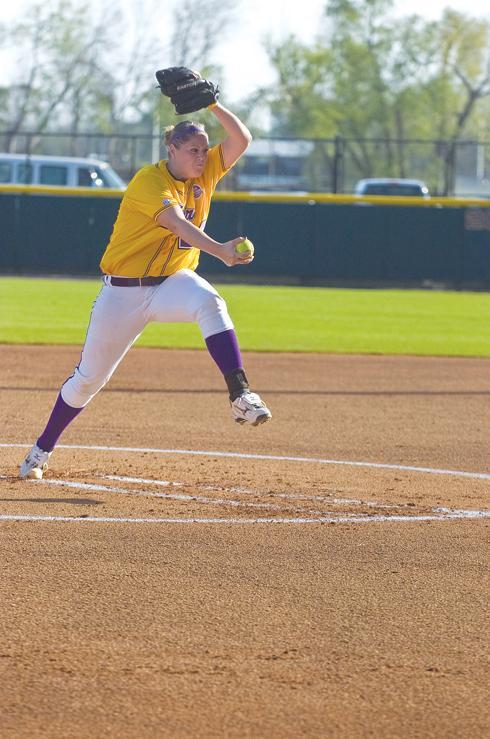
89 65
465 65
375 80
196 34
58 47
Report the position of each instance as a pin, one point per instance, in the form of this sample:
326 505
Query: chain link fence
460 168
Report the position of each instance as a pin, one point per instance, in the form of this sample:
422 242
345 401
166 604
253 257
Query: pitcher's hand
231 257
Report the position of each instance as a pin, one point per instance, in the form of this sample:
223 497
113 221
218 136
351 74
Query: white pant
119 316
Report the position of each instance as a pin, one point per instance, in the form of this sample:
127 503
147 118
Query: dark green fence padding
297 240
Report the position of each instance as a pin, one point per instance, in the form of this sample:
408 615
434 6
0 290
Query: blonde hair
180 133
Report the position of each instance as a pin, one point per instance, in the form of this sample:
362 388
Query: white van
27 169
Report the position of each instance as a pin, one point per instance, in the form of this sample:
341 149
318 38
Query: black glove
187 90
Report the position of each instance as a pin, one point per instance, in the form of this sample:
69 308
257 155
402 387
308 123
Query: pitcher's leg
188 297
98 363
225 351
115 324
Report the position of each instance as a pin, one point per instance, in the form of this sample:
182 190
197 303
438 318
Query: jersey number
183 244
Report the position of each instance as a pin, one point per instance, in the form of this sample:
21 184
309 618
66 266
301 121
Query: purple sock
225 351
61 415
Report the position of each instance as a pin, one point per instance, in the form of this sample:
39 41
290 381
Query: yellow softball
245 247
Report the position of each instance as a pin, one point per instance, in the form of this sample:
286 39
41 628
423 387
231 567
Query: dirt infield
176 575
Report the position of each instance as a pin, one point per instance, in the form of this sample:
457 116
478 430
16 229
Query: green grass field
299 319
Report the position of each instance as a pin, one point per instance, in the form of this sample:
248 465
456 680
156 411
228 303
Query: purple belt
133 281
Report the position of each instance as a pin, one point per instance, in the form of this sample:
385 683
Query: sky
249 69
245 62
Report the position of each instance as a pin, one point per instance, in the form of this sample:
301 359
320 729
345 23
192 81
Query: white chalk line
171 496
251 491
269 457
240 521
213 501
288 496
439 514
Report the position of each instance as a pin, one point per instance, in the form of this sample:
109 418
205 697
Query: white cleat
35 464
249 408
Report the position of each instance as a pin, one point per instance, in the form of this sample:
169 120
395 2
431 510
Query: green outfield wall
312 239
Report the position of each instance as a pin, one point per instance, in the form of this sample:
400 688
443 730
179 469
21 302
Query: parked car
26 169
390 186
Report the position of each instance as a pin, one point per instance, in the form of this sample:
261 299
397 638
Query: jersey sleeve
145 195
215 166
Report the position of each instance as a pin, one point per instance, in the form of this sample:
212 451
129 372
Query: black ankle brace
237 382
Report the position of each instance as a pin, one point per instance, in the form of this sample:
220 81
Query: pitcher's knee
79 389
213 316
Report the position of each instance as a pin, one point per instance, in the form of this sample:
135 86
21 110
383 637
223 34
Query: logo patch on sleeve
166 201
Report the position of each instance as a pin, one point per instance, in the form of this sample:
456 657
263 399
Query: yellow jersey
139 246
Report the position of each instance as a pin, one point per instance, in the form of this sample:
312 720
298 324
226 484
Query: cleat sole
262 419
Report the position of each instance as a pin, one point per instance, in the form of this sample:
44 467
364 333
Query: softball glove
187 90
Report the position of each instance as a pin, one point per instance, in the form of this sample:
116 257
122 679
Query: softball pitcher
150 261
